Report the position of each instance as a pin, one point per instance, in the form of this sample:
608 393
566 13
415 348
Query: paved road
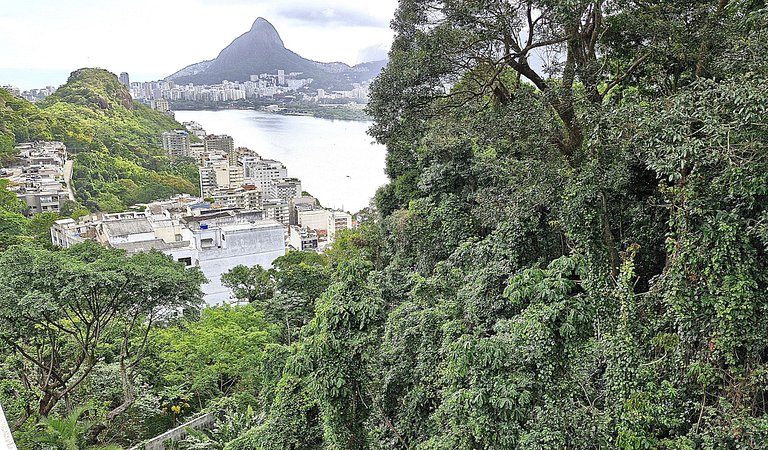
68 178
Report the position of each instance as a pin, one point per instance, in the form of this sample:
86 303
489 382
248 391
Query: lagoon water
336 161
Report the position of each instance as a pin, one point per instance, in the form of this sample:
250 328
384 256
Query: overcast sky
42 41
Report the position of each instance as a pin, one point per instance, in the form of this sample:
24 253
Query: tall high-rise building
281 77
125 80
219 175
263 172
160 104
241 152
219 143
286 189
176 143
337 221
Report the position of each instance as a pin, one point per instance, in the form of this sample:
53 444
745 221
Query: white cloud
159 37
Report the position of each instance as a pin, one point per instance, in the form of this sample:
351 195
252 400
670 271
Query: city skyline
42 41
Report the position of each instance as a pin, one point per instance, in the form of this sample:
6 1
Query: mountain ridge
262 50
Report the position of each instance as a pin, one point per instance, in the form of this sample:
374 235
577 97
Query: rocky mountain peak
264 31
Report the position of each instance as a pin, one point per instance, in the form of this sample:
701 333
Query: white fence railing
6 439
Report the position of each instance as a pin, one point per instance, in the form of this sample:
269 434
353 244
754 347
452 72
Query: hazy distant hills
261 50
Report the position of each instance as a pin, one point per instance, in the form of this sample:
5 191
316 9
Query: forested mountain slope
119 157
567 257
572 257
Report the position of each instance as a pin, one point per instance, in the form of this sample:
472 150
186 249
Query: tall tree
57 309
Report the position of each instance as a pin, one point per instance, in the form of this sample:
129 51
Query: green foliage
39 227
340 347
12 229
20 121
571 257
66 313
116 142
110 183
219 355
293 422
8 200
254 284
286 294
302 273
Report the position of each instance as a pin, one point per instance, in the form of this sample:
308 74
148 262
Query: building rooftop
267 223
127 227
153 244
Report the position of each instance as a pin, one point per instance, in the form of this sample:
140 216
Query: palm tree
68 433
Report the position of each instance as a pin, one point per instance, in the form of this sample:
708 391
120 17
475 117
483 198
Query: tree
302 273
67 433
39 227
57 309
341 345
8 200
286 294
219 355
12 229
255 284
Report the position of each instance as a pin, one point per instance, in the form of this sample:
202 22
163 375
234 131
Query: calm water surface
336 161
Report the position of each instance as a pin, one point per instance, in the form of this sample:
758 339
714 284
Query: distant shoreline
329 112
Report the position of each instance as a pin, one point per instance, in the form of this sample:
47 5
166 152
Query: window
187 261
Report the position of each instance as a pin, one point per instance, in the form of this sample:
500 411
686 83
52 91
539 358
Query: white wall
247 247
315 220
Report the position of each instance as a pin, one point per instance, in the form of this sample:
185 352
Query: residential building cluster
240 178
189 230
40 176
32 95
265 85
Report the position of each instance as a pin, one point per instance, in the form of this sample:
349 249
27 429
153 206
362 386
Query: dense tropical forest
572 253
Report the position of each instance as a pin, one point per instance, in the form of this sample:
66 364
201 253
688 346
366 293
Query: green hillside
20 121
119 159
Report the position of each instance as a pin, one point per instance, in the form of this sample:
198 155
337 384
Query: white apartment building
300 203
41 177
225 240
246 197
337 221
302 238
219 175
197 151
219 143
263 172
312 218
277 209
195 128
286 188
176 143
241 152
161 105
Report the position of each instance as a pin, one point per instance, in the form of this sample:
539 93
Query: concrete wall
158 443
315 220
